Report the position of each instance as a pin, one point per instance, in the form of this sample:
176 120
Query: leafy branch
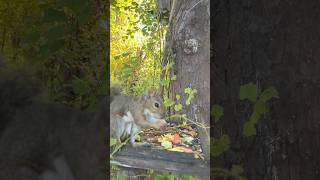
222 144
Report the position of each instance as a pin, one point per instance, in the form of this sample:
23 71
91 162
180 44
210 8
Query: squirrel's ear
152 93
148 94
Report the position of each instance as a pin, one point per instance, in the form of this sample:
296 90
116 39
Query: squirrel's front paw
144 144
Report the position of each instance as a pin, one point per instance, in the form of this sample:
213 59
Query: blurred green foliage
63 42
136 45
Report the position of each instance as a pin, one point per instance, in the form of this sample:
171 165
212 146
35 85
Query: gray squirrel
130 114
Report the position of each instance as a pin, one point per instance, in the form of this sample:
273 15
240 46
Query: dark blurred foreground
40 139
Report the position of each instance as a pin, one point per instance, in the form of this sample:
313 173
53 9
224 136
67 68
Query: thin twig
190 120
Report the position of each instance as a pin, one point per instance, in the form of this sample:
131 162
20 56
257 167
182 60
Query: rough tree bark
273 43
188 43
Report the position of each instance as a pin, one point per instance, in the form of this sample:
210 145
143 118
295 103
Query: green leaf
177 97
165 82
220 145
168 102
177 107
248 91
191 93
126 73
174 77
254 117
269 93
187 90
53 15
188 101
249 128
260 107
217 112
113 141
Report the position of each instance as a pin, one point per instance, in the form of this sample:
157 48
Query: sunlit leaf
168 102
113 141
177 97
178 107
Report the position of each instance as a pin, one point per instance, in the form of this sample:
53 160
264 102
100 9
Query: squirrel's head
154 109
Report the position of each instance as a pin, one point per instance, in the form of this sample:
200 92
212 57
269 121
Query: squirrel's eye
156 105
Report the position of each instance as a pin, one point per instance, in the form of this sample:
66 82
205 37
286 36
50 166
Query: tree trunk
273 43
188 41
